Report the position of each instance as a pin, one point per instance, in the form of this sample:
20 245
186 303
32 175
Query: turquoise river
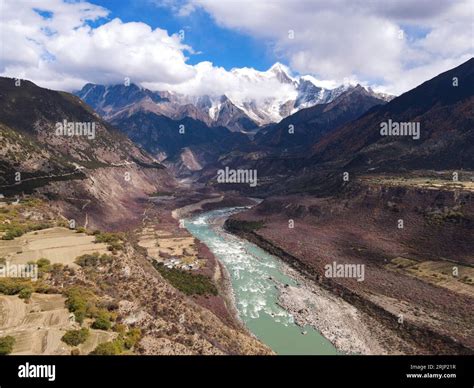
254 274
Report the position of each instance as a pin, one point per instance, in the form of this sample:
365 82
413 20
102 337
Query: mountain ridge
446 117
232 110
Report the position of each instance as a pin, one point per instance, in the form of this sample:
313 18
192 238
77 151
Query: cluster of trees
6 345
186 282
17 230
84 304
125 341
93 259
113 240
75 337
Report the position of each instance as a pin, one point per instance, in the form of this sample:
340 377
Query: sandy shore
188 210
349 330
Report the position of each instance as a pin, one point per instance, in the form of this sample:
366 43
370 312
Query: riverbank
399 305
349 330
164 238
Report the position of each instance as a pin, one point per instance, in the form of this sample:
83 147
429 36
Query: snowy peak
309 94
282 73
264 97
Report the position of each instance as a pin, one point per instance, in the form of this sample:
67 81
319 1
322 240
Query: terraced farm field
39 325
58 245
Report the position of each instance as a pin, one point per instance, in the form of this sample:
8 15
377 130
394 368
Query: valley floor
157 278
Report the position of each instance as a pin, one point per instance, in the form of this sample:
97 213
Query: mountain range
345 135
234 110
309 124
442 108
219 125
340 128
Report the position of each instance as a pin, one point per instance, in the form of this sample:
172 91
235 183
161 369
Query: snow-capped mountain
263 97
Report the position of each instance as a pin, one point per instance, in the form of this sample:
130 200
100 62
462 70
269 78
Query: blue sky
222 46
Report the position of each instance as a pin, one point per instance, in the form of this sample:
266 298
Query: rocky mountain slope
442 108
120 101
157 133
51 174
55 144
283 148
315 162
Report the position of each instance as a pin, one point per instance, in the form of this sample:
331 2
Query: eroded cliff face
109 198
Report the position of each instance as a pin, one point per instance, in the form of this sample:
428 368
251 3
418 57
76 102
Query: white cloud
333 40
356 38
237 84
64 51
